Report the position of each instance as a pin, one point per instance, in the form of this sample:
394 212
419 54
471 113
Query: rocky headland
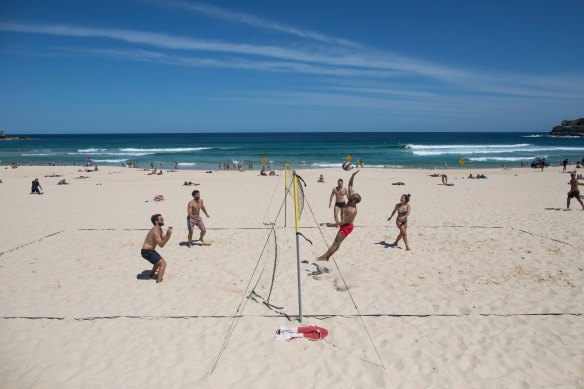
3 136
569 128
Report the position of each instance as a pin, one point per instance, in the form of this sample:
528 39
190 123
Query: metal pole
285 187
296 217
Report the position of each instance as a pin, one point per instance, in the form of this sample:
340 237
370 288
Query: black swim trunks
340 204
151 256
573 194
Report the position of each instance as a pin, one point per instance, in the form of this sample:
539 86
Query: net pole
285 187
296 219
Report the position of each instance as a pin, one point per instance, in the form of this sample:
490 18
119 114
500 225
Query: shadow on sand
145 276
388 245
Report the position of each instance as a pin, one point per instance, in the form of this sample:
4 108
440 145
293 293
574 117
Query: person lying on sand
190 183
62 182
398 183
159 197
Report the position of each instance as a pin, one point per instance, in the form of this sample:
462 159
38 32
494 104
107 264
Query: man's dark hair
195 192
154 218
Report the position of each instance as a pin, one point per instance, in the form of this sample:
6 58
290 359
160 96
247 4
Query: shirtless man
156 237
574 191
346 223
194 218
339 193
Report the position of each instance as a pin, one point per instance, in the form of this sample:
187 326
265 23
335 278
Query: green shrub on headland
569 128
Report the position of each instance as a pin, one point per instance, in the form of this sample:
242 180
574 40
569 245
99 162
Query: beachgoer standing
403 209
574 191
194 216
156 237
444 179
35 187
349 212
564 163
340 194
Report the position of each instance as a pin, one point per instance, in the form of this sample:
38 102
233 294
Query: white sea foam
339 165
187 163
465 150
532 136
167 150
110 160
324 164
35 155
115 154
90 150
502 159
431 147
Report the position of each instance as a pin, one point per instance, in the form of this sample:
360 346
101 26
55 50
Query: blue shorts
151 256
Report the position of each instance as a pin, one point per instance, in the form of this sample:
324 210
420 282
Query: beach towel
306 332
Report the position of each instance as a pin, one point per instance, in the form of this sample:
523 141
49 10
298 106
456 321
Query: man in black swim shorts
340 194
574 190
156 237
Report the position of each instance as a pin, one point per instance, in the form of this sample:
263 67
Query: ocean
300 150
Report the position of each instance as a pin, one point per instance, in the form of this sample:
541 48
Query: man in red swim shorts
346 223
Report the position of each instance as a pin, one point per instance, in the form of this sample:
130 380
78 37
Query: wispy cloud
331 60
261 23
324 55
231 62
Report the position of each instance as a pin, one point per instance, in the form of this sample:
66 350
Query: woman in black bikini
403 209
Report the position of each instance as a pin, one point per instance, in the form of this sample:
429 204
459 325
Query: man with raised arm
155 238
346 223
194 218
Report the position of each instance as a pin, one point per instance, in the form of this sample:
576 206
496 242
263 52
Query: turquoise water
301 150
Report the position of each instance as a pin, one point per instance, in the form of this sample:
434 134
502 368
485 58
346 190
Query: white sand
469 306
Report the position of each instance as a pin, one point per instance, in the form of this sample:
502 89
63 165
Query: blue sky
272 65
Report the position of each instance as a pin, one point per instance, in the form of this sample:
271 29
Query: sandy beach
491 294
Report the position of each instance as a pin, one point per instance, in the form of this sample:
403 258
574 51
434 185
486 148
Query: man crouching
156 237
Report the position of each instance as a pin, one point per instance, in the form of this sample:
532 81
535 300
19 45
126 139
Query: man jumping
346 223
